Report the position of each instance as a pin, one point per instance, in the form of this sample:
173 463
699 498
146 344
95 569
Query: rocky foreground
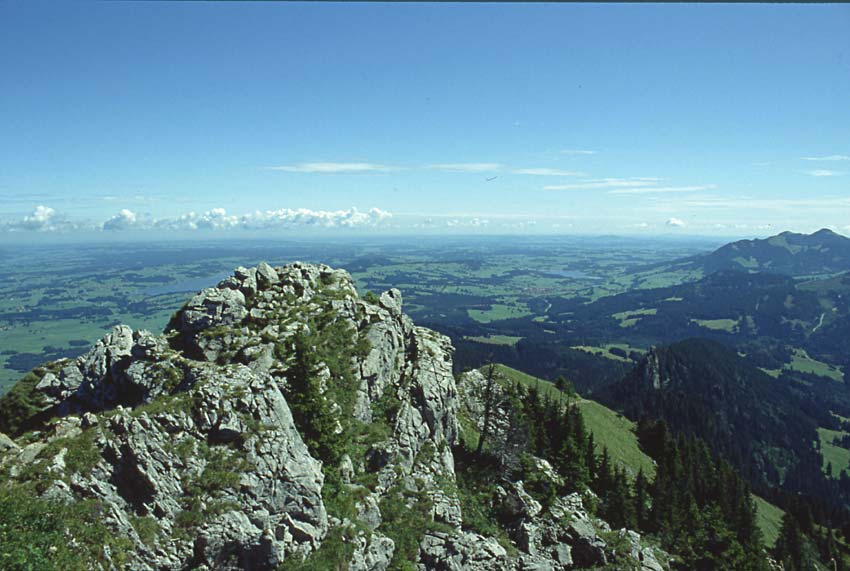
282 420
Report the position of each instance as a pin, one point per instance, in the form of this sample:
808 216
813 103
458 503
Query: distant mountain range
788 253
784 301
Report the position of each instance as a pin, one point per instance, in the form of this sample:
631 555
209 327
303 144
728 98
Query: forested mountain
765 427
705 389
730 306
788 253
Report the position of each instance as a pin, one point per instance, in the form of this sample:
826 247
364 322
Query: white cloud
122 221
42 219
218 219
547 172
213 219
466 167
286 217
828 158
521 225
675 223
334 168
473 222
823 172
663 189
606 183
577 152
45 219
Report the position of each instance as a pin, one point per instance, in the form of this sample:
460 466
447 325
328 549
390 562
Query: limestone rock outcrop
279 415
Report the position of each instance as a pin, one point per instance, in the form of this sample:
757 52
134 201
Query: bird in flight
491 178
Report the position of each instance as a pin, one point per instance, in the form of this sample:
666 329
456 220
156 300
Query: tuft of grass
82 454
147 528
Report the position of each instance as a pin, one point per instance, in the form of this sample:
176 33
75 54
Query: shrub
20 407
333 555
39 535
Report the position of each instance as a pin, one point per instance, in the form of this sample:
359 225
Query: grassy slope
769 520
617 434
609 429
837 456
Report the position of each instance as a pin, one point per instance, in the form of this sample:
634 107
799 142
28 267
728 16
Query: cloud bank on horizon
650 204
45 219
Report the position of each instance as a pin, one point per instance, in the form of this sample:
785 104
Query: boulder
464 551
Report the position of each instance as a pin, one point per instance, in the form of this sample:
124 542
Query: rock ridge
279 418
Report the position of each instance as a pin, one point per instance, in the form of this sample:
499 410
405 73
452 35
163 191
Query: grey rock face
463 552
645 556
266 275
372 554
391 301
574 526
229 452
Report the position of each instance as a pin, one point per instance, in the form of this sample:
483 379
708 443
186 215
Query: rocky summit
281 421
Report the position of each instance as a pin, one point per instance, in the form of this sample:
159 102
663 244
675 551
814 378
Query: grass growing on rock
40 535
333 555
406 519
147 528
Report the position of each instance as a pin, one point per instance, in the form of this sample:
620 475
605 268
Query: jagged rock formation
205 448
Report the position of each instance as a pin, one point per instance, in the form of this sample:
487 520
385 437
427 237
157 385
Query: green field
499 311
730 325
495 339
605 351
57 299
832 454
630 318
800 361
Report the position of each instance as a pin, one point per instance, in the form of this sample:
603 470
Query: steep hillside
616 433
282 422
611 430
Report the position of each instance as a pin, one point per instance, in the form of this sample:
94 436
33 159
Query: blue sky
261 117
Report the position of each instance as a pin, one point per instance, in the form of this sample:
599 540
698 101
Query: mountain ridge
280 422
787 253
